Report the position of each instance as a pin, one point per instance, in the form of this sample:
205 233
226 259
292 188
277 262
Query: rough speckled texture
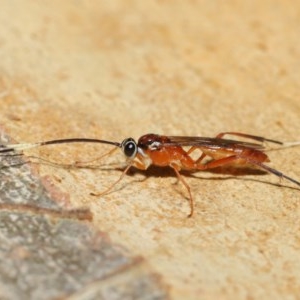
124 68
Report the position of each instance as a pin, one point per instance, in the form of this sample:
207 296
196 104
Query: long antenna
19 147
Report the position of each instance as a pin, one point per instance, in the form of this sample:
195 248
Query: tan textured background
113 69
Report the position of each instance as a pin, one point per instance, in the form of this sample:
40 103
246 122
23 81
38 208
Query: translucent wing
208 142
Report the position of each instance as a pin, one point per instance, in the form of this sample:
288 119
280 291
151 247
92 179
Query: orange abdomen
256 155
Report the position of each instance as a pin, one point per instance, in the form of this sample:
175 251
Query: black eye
129 147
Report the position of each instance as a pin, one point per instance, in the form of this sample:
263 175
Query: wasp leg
192 149
180 178
116 182
234 158
83 163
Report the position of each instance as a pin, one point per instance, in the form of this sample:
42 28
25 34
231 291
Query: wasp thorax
151 142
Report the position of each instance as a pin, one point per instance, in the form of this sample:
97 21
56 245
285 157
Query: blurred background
114 69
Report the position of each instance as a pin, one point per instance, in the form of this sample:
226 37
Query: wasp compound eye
129 147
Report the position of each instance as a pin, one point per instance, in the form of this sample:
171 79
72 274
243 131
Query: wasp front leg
115 183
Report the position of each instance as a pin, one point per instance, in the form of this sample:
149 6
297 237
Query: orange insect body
160 150
164 151
157 150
